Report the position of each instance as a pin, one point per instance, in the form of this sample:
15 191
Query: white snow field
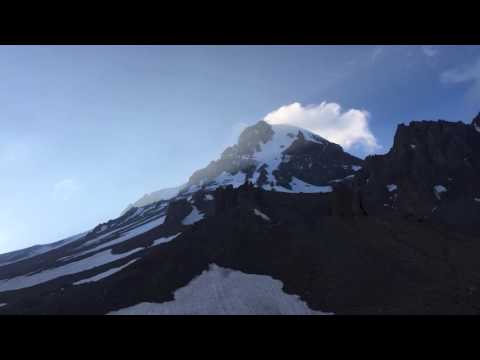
221 291
225 179
91 262
193 217
261 214
3 304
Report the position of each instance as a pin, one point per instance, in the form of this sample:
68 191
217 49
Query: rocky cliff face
430 172
476 123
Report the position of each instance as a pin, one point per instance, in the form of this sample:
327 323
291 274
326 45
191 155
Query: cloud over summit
347 128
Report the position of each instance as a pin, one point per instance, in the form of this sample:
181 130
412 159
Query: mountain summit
281 158
278 157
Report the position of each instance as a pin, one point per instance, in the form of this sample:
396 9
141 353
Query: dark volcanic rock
476 123
177 211
346 202
426 158
344 264
315 163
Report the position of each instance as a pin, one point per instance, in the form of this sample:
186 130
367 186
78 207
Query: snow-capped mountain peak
277 157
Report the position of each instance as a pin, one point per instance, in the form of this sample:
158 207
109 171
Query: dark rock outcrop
177 211
476 123
428 173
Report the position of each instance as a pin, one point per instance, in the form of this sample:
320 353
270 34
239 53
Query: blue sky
86 130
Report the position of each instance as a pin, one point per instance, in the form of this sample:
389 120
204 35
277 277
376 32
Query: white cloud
346 128
65 189
429 50
462 74
465 74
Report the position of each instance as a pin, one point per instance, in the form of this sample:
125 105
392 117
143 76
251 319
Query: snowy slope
221 291
147 199
15 256
91 262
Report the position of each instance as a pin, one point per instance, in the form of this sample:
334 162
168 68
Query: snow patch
356 167
164 240
225 179
115 270
477 199
3 304
438 189
105 274
299 186
392 187
124 237
413 146
477 127
91 262
208 197
193 217
163 194
221 291
262 215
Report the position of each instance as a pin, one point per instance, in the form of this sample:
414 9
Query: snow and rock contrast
446 156
284 222
476 123
147 199
279 157
220 291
